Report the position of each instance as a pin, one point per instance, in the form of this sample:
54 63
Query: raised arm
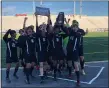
5 37
24 23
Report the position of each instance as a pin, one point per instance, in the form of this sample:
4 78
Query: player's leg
31 69
45 69
60 67
8 66
76 64
81 56
54 69
41 67
82 64
69 68
16 70
27 72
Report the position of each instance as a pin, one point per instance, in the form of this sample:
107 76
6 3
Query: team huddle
52 48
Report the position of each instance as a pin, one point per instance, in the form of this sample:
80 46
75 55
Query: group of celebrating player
44 48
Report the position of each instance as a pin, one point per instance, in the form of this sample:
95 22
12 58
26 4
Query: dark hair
12 32
21 30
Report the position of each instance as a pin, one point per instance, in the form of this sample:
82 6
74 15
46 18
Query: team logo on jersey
57 39
32 40
13 45
44 39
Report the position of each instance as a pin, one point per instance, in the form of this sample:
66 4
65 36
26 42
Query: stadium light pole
33 7
74 7
80 8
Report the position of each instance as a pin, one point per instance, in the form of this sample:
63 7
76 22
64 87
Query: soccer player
11 53
30 53
80 47
42 46
58 53
72 51
21 42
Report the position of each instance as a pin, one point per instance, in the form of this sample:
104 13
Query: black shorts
50 52
12 60
81 51
30 58
58 54
72 55
42 56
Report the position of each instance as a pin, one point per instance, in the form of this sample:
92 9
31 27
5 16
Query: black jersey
57 41
42 44
30 45
11 44
80 38
50 42
22 46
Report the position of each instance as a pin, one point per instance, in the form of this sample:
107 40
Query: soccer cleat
83 72
15 76
78 83
27 81
8 80
69 76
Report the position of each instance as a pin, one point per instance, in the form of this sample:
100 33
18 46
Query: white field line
95 52
97 61
96 76
96 43
93 66
68 80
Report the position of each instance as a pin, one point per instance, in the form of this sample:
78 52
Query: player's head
29 30
21 32
13 33
75 25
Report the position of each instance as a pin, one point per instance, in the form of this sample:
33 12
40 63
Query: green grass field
95 47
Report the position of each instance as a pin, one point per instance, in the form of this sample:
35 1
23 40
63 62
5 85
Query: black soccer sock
27 72
82 64
78 75
42 77
7 73
45 73
55 70
15 71
73 65
70 70
59 69
31 70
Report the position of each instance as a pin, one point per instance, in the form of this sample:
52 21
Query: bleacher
91 22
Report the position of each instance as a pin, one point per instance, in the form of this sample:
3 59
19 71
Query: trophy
60 19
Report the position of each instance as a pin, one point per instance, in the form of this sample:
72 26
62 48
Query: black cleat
8 80
78 83
26 81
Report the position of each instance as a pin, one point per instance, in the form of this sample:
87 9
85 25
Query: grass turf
95 47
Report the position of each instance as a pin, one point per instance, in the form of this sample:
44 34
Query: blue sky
90 8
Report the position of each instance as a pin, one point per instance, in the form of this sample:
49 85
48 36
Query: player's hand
65 20
25 18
